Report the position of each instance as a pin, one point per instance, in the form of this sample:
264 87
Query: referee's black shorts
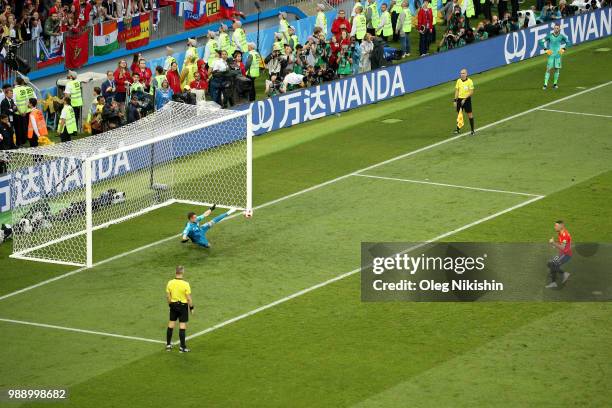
467 105
179 311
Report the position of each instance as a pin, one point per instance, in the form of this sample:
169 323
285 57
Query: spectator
160 76
377 58
145 74
237 64
112 115
198 83
366 51
122 82
135 60
425 24
356 53
163 94
173 78
34 26
96 121
133 113
137 89
9 108
108 87
219 81
6 138
52 27
339 24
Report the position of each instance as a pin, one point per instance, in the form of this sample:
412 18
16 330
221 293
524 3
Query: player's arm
543 42
206 213
184 235
566 43
456 95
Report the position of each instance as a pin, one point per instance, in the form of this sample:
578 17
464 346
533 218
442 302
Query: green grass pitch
279 320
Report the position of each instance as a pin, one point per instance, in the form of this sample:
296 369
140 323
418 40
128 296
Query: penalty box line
431 183
577 113
315 187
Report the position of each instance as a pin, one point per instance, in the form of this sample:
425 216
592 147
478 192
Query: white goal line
488 190
315 187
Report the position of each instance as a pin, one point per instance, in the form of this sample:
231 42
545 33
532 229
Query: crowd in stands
24 20
230 67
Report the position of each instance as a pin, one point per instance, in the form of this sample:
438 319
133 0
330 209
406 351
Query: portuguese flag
105 38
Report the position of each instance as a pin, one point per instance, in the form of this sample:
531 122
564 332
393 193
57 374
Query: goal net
182 153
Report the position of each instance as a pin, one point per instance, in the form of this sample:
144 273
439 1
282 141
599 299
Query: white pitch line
315 187
489 190
72 329
577 113
357 270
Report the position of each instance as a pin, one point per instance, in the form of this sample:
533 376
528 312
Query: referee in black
178 293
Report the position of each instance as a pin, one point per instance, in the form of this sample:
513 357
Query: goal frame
88 187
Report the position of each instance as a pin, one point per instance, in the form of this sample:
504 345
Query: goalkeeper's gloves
213 207
548 52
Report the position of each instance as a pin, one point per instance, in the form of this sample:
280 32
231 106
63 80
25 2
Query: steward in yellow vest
386 25
67 127
360 24
22 93
372 16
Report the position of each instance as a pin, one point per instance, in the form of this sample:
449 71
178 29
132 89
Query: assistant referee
178 293
464 89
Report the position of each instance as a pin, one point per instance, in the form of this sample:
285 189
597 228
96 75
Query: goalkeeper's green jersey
555 42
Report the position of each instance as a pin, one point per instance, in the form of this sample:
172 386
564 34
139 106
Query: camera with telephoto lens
8 55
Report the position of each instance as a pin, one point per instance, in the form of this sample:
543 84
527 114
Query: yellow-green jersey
464 88
178 290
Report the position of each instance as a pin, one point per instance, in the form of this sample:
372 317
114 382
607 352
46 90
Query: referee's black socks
182 337
169 336
472 124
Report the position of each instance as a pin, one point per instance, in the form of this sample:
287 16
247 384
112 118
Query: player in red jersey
564 245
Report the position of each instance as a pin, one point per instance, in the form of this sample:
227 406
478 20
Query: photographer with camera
273 62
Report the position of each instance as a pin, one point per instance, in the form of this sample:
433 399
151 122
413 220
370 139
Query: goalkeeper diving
197 233
554 44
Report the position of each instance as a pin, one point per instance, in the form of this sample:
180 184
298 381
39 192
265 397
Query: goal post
61 194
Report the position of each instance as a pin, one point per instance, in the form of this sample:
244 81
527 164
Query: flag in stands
105 38
140 27
77 50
